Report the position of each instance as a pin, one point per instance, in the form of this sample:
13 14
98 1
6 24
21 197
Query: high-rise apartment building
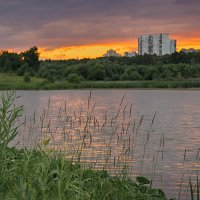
158 44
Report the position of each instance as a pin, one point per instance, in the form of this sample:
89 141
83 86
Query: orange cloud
191 41
188 43
86 51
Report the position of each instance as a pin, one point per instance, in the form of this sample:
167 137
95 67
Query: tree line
27 61
147 67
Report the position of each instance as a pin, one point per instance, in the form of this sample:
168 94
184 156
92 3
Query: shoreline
91 89
80 87
8 82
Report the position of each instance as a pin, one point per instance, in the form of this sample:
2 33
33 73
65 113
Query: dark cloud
52 23
187 2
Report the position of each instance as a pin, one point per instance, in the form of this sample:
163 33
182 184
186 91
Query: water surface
155 133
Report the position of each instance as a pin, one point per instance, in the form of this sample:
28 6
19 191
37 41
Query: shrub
124 77
115 77
107 79
50 79
27 77
135 76
74 78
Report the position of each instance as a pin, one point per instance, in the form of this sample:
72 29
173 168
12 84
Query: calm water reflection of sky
156 151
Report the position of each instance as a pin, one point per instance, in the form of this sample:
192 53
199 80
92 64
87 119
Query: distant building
158 44
172 46
130 54
110 53
190 50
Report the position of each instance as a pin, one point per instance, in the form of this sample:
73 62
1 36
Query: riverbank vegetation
26 82
36 174
179 70
12 81
41 173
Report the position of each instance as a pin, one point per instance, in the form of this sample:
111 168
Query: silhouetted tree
31 57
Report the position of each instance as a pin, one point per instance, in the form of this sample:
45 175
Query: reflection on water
153 133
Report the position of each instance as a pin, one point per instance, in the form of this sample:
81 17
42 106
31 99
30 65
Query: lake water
155 133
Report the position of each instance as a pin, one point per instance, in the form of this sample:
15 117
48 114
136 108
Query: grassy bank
37 175
11 81
45 174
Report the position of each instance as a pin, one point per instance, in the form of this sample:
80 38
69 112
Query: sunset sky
64 29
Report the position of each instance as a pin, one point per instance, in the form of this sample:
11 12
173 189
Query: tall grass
12 81
195 190
107 142
45 173
8 115
68 161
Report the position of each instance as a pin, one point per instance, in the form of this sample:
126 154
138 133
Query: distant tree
97 72
124 76
74 78
115 77
31 57
149 73
178 76
131 73
27 77
15 60
7 65
9 61
81 69
23 69
50 79
135 76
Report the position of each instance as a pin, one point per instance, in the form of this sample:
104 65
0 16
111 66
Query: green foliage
147 67
27 77
131 73
31 57
9 61
115 77
142 180
39 174
8 116
107 79
181 67
97 72
74 78
9 81
20 63
24 68
50 79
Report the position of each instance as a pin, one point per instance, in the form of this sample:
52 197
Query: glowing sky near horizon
88 28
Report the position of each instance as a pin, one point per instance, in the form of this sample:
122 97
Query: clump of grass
9 113
36 175
195 190
27 77
42 174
